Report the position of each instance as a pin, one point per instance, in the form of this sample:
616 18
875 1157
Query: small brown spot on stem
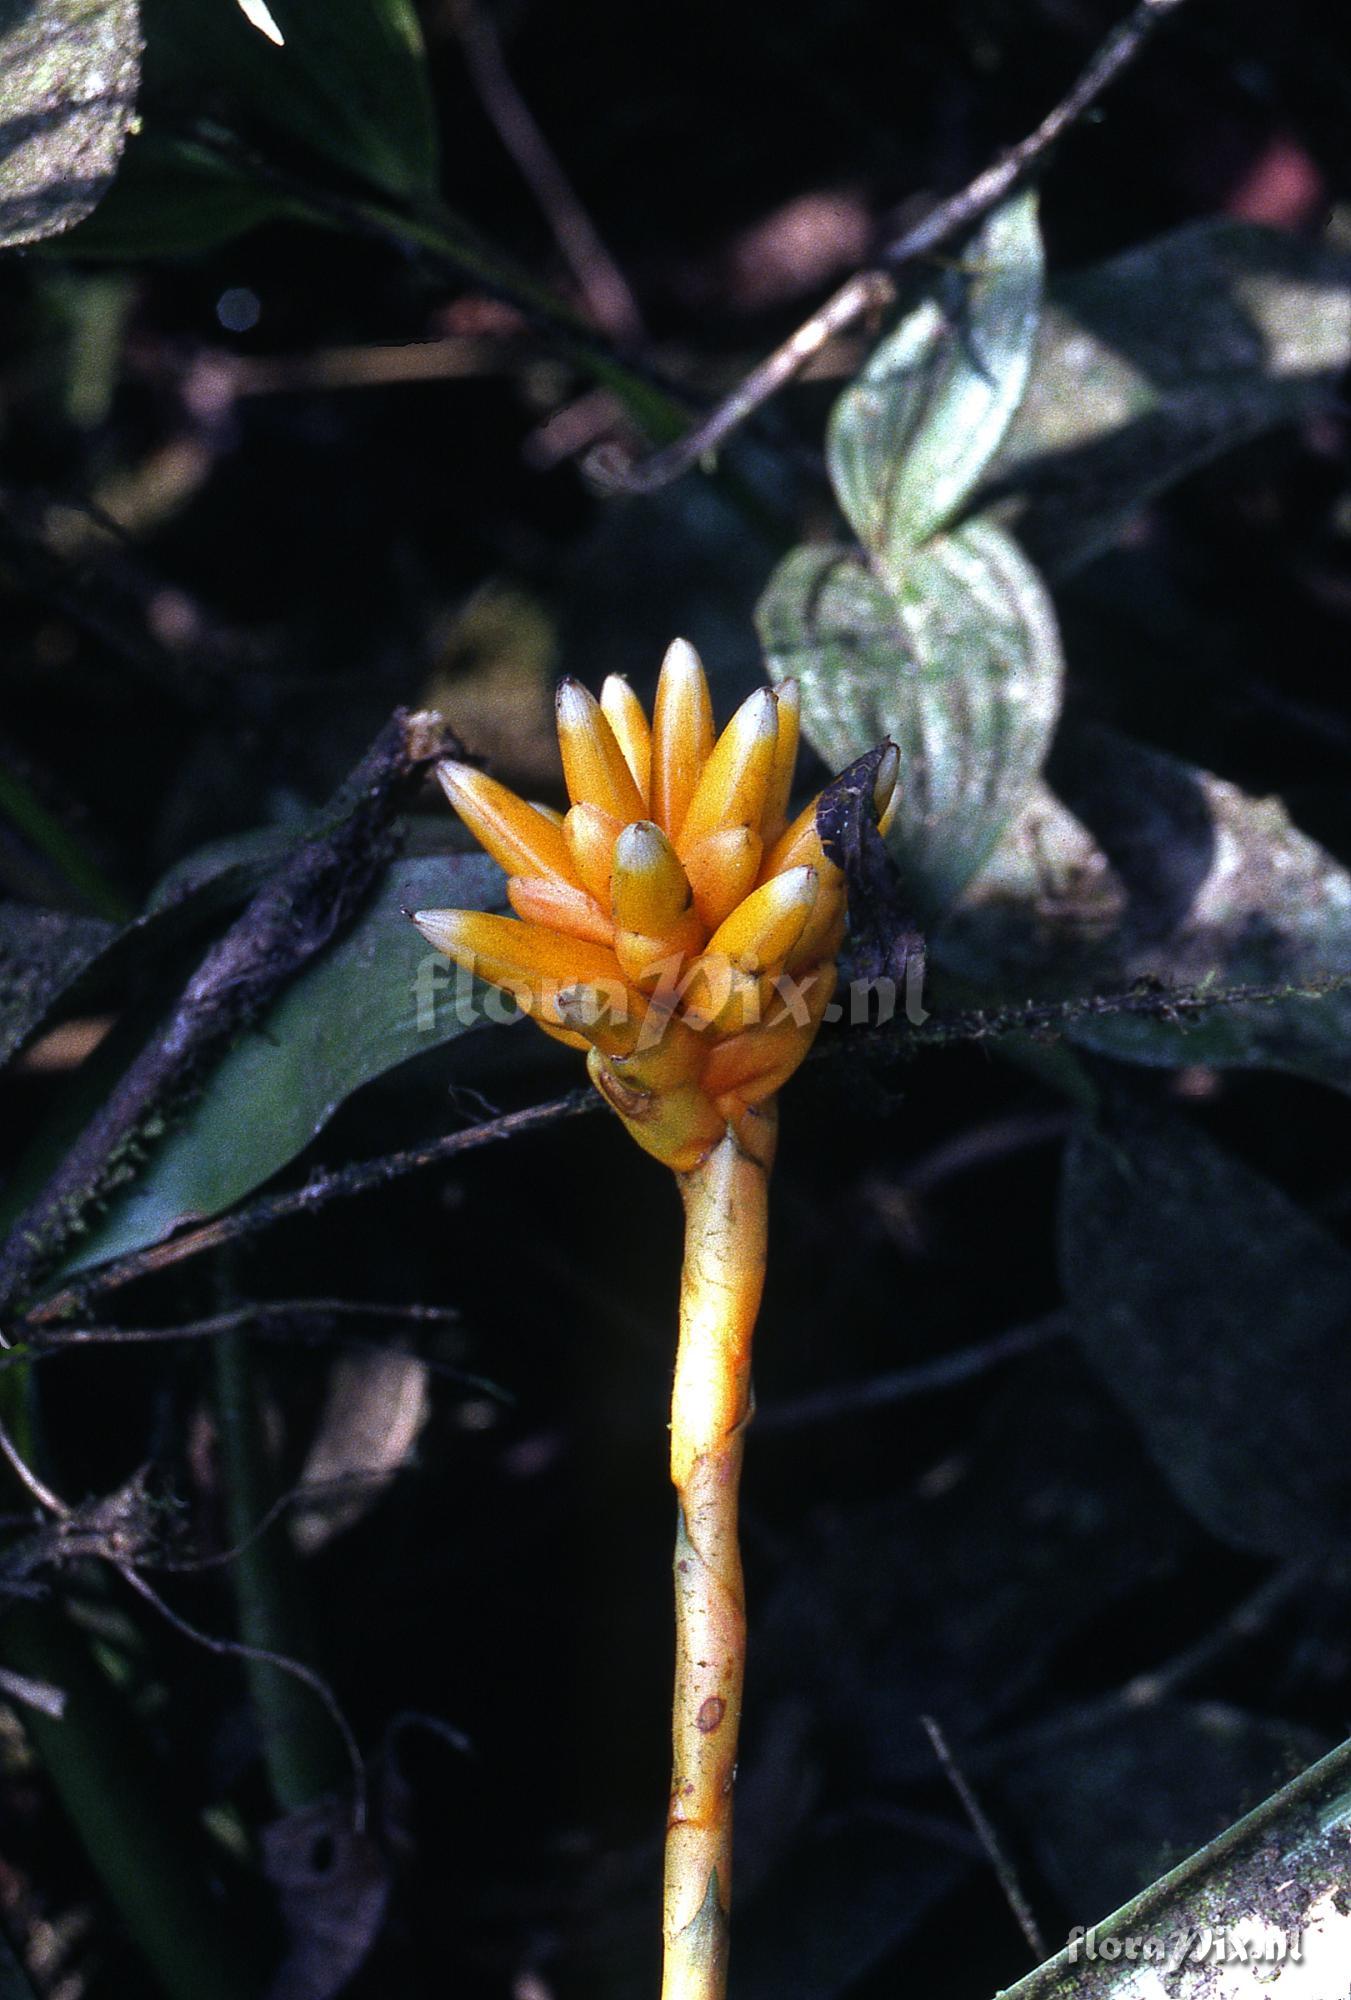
710 1714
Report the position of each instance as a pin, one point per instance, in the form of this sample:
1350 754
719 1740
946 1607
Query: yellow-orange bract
672 923
676 927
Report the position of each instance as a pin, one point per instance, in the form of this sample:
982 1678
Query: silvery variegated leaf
958 663
1166 874
71 71
913 433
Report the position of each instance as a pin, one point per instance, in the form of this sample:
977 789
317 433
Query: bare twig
985 1833
1045 1019
868 291
42 1696
317 1192
314 892
1049 1019
262 1656
99 1530
49 1502
113 1527
599 279
444 244
1242 1622
306 1494
453 357
259 1316
880 1391
988 189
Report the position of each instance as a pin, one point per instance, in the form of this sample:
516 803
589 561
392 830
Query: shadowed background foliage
294 427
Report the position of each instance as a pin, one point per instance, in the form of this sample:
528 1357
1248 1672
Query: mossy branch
1044 1020
1281 1872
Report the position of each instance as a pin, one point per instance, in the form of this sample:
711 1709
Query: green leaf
348 79
13 1984
171 200
1218 1314
959 664
1047 1499
348 83
356 1012
71 70
1167 874
1041 1501
61 850
1030 920
1153 362
52 961
230 865
1150 1780
913 433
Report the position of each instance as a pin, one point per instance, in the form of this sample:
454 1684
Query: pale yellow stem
725 1220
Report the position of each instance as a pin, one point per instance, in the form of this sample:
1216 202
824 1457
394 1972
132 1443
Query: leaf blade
1155 871
72 71
960 666
911 436
353 1014
1155 361
1216 1311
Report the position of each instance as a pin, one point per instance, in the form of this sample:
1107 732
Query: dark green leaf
356 1012
49 848
42 953
13 1984
348 80
1219 1315
914 432
1151 1782
947 1600
1184 880
71 70
1031 1502
959 665
227 864
348 83
51 960
170 200
1159 359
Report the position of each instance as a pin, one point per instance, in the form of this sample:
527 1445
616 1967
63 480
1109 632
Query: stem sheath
726 1207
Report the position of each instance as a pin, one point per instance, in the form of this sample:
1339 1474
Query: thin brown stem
599 279
1047 1020
258 1316
303 905
317 1192
1014 1894
873 289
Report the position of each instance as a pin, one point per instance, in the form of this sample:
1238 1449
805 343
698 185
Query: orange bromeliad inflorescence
676 927
671 923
